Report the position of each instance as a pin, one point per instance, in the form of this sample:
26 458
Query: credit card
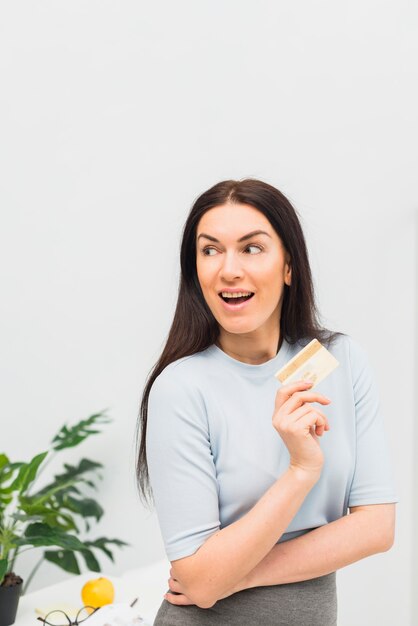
314 362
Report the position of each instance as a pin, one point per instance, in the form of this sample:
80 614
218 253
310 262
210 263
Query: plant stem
25 550
16 552
32 574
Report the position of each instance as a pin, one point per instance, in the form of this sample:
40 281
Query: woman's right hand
295 419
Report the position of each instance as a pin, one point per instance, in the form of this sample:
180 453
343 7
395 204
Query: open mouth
236 300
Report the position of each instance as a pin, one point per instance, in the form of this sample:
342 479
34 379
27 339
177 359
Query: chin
241 329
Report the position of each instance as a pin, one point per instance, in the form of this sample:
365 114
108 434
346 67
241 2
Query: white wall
115 116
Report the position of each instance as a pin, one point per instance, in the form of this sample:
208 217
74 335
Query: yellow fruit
98 592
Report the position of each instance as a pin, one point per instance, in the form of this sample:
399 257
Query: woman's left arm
367 530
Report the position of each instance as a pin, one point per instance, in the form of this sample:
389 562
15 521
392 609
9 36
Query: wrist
244 583
305 475
239 586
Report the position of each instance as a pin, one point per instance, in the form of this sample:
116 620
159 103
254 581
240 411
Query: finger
286 391
321 425
308 422
313 432
321 428
305 415
180 600
305 423
300 397
281 419
303 410
174 585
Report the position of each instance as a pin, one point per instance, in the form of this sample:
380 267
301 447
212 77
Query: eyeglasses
60 618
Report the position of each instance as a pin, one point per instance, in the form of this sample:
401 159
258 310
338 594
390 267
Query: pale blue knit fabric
212 450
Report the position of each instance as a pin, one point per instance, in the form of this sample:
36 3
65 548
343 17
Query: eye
246 248
254 246
205 250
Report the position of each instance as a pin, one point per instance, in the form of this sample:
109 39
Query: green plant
48 516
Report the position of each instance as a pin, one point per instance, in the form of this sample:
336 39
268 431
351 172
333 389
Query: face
259 264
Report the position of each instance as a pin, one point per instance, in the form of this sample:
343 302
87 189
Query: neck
250 349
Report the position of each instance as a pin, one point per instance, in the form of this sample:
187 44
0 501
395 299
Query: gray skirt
306 603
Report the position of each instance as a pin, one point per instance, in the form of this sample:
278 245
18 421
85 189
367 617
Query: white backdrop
114 117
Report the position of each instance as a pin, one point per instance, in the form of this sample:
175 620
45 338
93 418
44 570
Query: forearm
234 551
316 553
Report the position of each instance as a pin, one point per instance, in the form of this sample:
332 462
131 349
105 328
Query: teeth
239 294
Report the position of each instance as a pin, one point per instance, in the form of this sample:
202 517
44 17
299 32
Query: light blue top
212 450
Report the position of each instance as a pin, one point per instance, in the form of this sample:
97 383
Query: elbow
194 584
388 544
195 594
206 604
202 597
390 536
380 527
202 600
387 540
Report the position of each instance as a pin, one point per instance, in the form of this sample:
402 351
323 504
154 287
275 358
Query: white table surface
148 584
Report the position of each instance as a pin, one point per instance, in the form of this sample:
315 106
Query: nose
231 267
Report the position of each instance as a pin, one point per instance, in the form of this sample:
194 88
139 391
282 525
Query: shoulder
358 358
357 364
188 369
184 377
176 402
346 348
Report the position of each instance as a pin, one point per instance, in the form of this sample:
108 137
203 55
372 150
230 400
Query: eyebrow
244 238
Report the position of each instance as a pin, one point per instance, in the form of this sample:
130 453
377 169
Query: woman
251 506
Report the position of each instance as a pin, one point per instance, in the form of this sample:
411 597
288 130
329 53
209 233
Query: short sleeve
373 481
180 465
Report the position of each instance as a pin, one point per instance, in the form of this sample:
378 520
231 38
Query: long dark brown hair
194 327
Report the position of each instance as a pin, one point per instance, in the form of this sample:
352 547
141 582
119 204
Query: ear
288 274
